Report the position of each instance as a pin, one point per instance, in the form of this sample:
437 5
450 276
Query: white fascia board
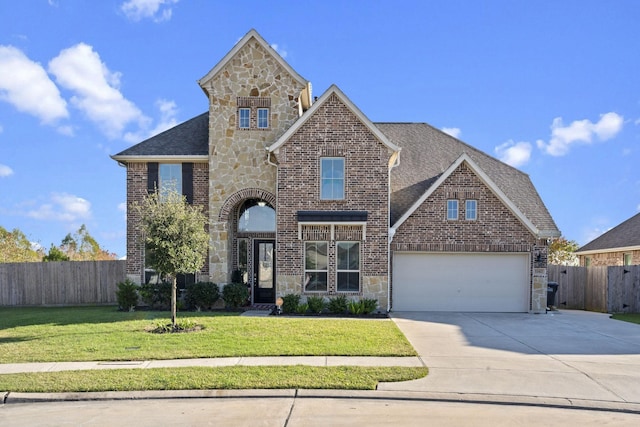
484 178
239 45
608 250
160 159
333 89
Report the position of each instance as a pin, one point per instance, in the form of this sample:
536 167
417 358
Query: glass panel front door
264 271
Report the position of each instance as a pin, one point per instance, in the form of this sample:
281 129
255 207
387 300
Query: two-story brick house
310 197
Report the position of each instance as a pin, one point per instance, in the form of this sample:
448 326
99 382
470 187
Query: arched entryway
252 232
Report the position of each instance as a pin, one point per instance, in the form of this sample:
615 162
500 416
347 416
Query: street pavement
484 369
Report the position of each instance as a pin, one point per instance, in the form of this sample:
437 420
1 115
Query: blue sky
551 87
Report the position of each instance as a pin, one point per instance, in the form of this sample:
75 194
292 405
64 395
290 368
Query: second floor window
471 210
244 120
332 178
263 118
452 210
170 178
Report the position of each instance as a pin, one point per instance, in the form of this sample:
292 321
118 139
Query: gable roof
334 90
188 140
252 34
625 236
464 158
428 153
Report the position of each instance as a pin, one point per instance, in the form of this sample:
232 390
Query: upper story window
452 210
471 210
244 118
332 178
254 112
170 178
263 118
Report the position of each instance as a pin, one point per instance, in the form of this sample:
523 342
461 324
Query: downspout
391 233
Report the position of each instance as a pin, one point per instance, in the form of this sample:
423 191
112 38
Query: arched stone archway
248 193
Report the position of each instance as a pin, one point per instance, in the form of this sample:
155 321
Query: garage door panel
460 282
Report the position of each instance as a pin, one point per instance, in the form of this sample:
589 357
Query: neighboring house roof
333 89
241 43
625 236
188 140
427 153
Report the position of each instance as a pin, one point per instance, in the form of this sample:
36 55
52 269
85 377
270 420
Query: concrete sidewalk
16 368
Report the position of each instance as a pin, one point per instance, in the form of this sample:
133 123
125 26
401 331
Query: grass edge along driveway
102 333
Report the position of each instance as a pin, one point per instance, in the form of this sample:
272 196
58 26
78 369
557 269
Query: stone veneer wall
238 157
606 259
496 229
334 131
136 191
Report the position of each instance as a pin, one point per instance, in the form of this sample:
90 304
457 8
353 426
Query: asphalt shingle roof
427 152
624 235
190 138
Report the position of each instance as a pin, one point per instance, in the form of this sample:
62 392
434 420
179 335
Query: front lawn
104 334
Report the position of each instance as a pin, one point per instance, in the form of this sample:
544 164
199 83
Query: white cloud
122 207
26 85
283 53
62 207
5 171
454 132
513 153
168 112
80 69
158 10
580 131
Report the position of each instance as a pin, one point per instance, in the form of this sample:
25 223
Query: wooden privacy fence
60 283
604 289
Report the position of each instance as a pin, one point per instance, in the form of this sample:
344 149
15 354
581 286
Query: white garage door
460 282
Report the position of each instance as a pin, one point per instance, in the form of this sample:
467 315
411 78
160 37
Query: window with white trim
627 259
332 178
348 267
316 266
452 210
170 178
471 210
244 118
263 118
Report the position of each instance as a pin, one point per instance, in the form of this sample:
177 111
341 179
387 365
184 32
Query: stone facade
238 157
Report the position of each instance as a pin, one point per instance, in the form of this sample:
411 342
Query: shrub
290 303
201 295
369 305
235 295
182 325
356 307
316 304
156 295
338 305
127 295
302 308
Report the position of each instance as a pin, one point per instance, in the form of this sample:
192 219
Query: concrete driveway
574 355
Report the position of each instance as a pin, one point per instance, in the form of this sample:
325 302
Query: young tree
81 246
55 254
562 252
175 238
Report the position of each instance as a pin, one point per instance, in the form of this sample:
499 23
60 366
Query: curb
494 399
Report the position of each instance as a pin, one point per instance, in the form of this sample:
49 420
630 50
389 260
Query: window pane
244 118
348 281
349 256
316 256
452 209
315 281
170 177
470 210
332 182
263 118
256 215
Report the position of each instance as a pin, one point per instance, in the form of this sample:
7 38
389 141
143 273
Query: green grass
237 377
627 317
104 334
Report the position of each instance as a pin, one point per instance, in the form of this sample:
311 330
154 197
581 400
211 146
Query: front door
264 289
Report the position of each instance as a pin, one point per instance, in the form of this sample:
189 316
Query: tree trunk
173 301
